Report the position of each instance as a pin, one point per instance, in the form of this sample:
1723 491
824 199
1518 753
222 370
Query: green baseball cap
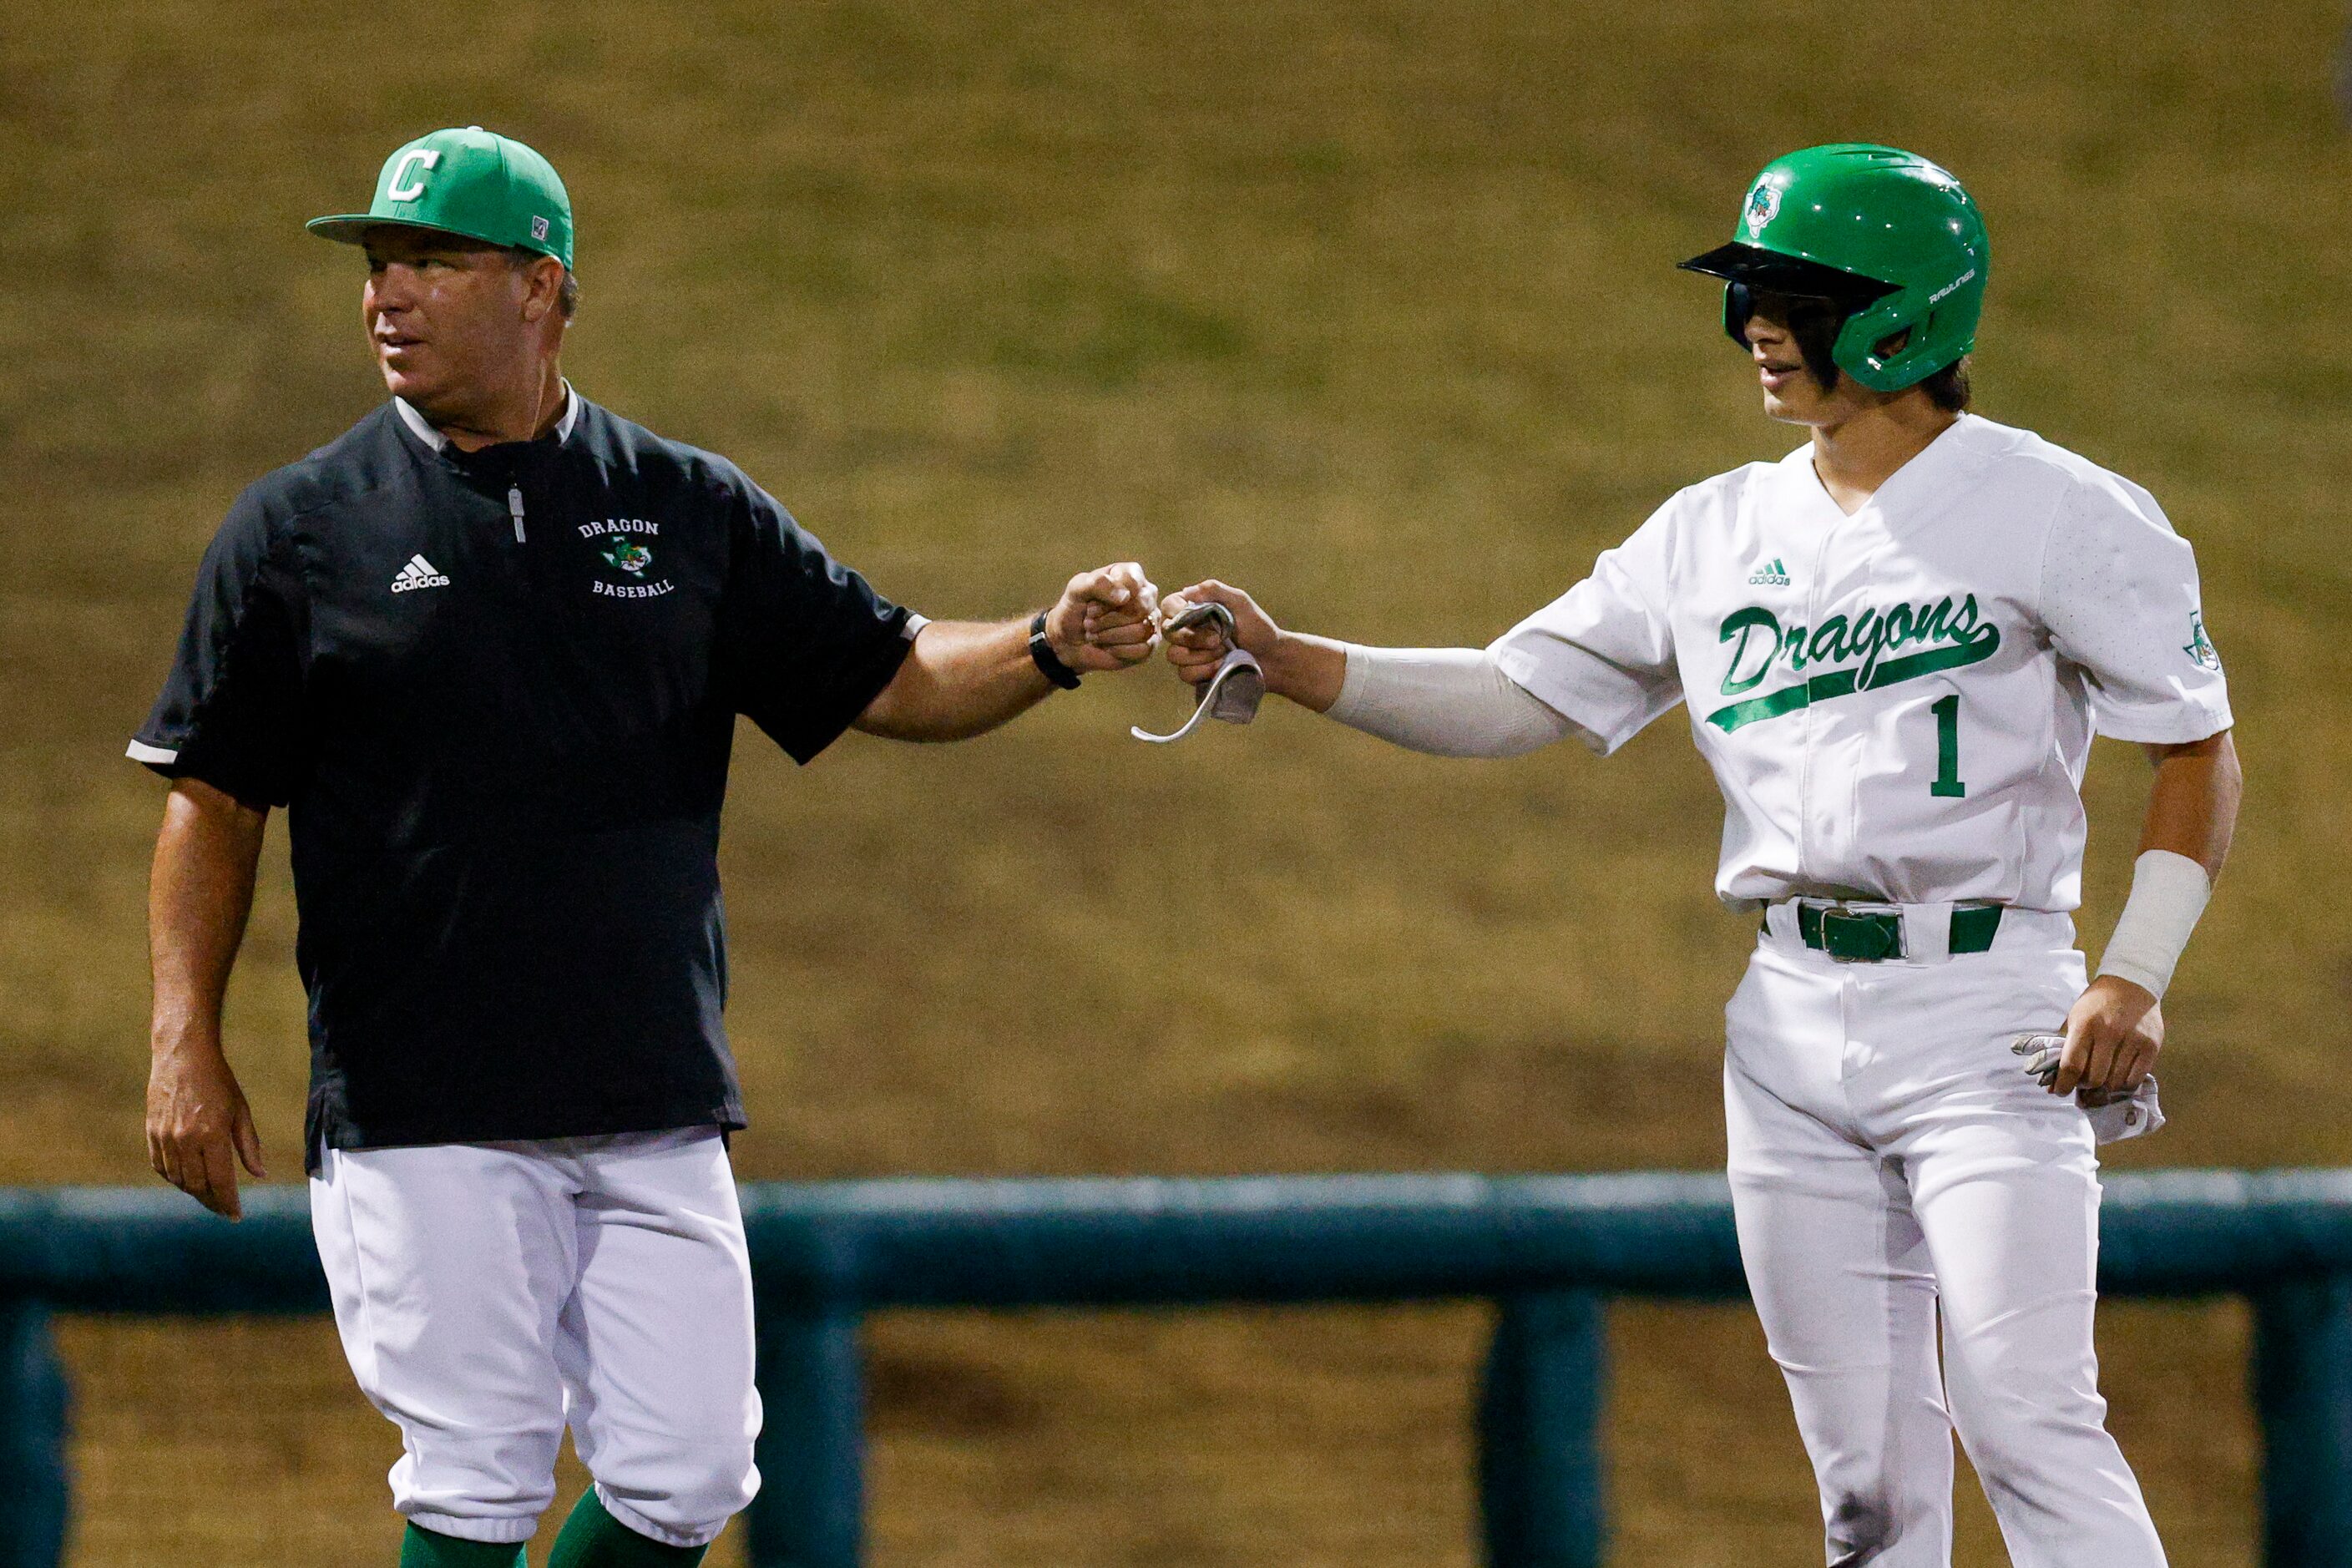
471 181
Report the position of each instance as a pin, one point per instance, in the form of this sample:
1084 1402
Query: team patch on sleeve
2200 647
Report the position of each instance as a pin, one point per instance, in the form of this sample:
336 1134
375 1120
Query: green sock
423 1548
594 1539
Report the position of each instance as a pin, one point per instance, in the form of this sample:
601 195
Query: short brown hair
1948 389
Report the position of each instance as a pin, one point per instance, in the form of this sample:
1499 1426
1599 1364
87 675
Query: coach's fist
2113 1035
1106 619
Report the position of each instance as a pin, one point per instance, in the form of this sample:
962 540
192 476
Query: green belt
1870 936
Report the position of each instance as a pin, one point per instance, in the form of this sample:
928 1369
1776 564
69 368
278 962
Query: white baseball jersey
1898 704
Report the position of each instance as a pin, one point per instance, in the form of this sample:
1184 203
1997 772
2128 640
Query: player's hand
1106 619
199 1127
1196 650
2113 1035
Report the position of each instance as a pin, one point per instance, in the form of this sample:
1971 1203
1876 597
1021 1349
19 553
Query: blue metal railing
1549 1250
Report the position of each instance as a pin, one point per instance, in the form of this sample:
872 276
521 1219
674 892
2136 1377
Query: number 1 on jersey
1948 749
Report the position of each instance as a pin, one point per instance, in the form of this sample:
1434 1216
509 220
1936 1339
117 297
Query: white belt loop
1927 932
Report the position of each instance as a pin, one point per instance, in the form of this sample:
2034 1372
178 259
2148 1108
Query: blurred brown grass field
1369 307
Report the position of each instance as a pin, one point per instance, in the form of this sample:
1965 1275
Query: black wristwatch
1049 663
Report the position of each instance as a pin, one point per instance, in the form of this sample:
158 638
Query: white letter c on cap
401 190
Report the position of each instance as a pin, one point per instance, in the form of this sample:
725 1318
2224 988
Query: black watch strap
1049 663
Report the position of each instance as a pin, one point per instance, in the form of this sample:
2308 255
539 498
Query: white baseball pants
1891 1164
488 1294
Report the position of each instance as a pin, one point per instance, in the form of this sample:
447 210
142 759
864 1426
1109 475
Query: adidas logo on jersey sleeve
418 574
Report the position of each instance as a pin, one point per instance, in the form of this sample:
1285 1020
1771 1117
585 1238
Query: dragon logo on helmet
1763 207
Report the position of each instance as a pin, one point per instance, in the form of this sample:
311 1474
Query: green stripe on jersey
1842 682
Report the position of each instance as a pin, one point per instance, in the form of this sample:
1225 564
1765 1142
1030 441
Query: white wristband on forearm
2168 893
1448 701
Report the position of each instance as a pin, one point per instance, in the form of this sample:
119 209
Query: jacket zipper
514 509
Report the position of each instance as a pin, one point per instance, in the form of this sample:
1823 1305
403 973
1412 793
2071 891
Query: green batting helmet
1888 238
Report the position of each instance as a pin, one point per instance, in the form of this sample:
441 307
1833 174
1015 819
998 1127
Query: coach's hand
1106 619
199 1127
2113 1035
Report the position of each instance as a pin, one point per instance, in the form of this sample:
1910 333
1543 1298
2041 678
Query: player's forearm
1309 670
199 897
2191 810
2193 806
961 679
1445 701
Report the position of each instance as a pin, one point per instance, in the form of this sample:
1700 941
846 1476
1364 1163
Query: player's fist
1196 650
2113 1035
1106 619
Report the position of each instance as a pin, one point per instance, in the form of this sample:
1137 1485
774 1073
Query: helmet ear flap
1856 351
1738 305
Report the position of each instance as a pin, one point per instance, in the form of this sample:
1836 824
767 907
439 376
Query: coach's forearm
961 679
199 898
